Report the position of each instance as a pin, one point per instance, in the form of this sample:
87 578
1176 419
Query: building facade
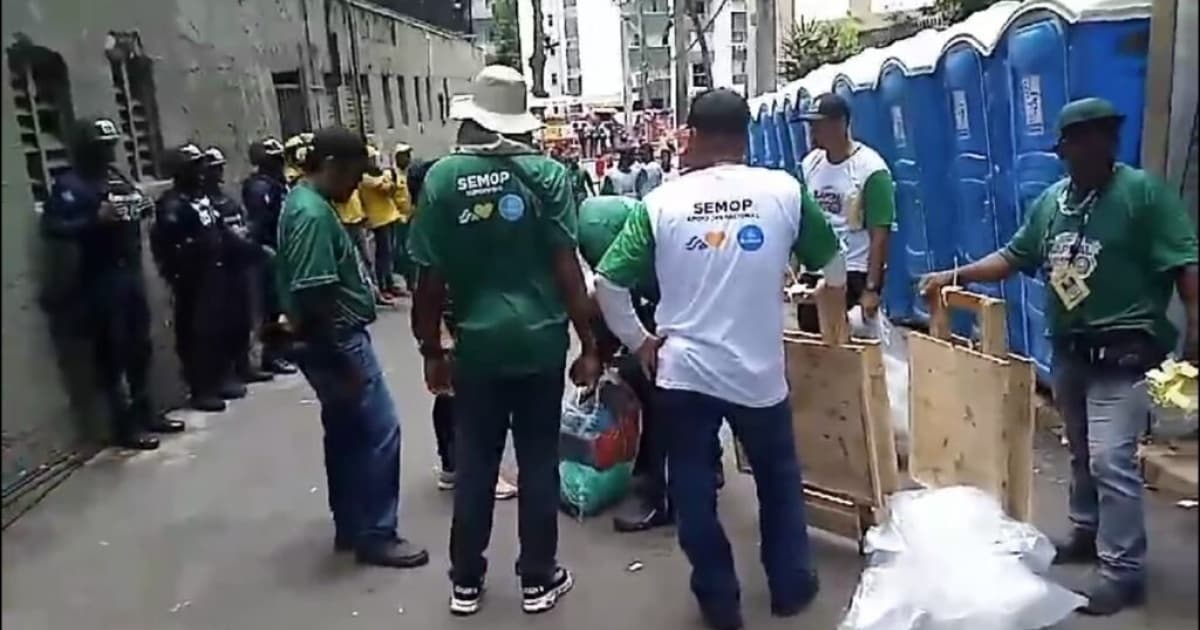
220 72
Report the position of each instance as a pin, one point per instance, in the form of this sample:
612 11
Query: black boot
206 402
247 373
232 389
1078 548
399 554
146 420
642 513
137 440
276 365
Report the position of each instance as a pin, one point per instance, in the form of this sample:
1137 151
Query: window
133 83
403 93
554 78
701 7
574 86
739 79
417 96
293 113
699 78
738 27
332 100
429 97
41 95
572 58
392 27
389 106
568 3
550 21
442 108
364 95
571 31
446 97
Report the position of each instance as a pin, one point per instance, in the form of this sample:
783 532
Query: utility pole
679 22
626 97
765 64
644 66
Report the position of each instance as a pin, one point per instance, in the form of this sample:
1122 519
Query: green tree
505 38
957 10
811 44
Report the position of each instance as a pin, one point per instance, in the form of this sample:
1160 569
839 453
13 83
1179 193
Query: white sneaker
465 600
445 479
505 490
539 598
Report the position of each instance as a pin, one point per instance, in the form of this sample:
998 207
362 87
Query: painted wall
213 72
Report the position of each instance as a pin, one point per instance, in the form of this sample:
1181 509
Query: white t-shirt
838 188
722 240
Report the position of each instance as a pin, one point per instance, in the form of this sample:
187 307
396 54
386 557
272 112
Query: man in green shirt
327 297
581 181
496 227
1113 242
719 239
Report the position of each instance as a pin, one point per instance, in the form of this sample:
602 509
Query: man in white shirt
650 173
854 187
622 180
719 239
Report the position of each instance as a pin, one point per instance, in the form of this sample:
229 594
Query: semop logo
713 240
695 244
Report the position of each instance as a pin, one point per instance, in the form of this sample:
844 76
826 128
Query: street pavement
226 528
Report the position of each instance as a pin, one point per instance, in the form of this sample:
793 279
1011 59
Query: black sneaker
1078 548
1108 597
209 403
640 515
465 600
539 598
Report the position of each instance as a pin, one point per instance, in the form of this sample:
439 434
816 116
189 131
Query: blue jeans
766 433
362 445
1104 410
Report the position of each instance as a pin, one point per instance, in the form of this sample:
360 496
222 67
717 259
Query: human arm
623 265
879 201
427 238
816 245
1172 248
68 214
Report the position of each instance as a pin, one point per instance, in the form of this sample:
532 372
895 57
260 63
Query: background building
223 72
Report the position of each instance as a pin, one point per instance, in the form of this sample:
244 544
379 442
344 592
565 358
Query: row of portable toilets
966 119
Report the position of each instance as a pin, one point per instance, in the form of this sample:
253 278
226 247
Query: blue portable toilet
912 102
1056 51
799 130
783 129
756 140
979 144
766 116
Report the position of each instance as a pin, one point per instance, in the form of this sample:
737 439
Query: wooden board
1019 426
957 398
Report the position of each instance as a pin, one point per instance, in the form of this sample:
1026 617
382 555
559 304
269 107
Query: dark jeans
237 319
806 314
272 346
766 433
121 344
401 263
1104 410
485 409
383 256
443 431
362 444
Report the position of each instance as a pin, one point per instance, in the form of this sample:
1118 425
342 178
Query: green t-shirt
1135 234
600 221
314 251
490 224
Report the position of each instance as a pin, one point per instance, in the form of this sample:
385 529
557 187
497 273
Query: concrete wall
213 64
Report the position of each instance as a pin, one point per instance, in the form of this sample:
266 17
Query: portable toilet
766 116
912 103
755 144
1056 51
801 143
979 145
783 129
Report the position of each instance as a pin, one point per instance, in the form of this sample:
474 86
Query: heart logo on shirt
483 210
715 239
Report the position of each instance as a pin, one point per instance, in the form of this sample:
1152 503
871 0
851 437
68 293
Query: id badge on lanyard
1068 284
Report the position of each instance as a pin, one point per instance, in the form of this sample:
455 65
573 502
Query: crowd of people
690 262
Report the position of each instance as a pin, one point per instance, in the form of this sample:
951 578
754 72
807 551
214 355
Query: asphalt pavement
226 528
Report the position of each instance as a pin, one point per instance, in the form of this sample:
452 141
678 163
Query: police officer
240 255
262 194
100 209
187 244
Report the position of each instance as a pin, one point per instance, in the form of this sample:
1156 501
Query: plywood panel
827 399
1019 420
957 402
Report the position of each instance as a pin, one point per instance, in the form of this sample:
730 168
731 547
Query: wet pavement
226 528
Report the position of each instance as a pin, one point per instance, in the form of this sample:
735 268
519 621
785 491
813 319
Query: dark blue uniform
188 245
240 255
113 287
262 196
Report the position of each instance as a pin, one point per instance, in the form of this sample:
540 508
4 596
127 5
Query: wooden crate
971 406
841 425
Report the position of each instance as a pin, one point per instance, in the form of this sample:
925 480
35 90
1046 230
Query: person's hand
108 212
647 355
586 370
869 301
932 283
438 375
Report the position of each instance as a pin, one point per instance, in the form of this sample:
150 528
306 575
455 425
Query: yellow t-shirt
351 211
377 193
402 198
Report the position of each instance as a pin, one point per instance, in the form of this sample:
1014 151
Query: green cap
1087 110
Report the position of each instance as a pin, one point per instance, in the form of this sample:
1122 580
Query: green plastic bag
586 491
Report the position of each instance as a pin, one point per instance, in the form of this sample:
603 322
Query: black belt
1121 349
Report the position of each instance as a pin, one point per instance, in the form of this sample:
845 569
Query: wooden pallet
971 405
841 425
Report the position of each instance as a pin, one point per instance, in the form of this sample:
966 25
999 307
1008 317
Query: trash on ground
950 559
180 606
635 566
1173 390
1187 504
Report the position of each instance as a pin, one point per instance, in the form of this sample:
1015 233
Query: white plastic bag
895 366
949 559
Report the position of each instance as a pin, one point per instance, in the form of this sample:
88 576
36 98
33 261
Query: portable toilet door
787 156
801 143
754 145
770 137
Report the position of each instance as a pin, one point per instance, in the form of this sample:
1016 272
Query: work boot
232 389
794 607
137 440
161 424
147 420
719 617
278 366
1078 548
206 402
641 514
249 374
399 554
1107 596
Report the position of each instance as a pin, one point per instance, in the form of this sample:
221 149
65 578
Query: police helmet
214 157
88 131
262 150
181 157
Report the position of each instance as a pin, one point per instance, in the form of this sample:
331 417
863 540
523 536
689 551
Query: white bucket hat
497 103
